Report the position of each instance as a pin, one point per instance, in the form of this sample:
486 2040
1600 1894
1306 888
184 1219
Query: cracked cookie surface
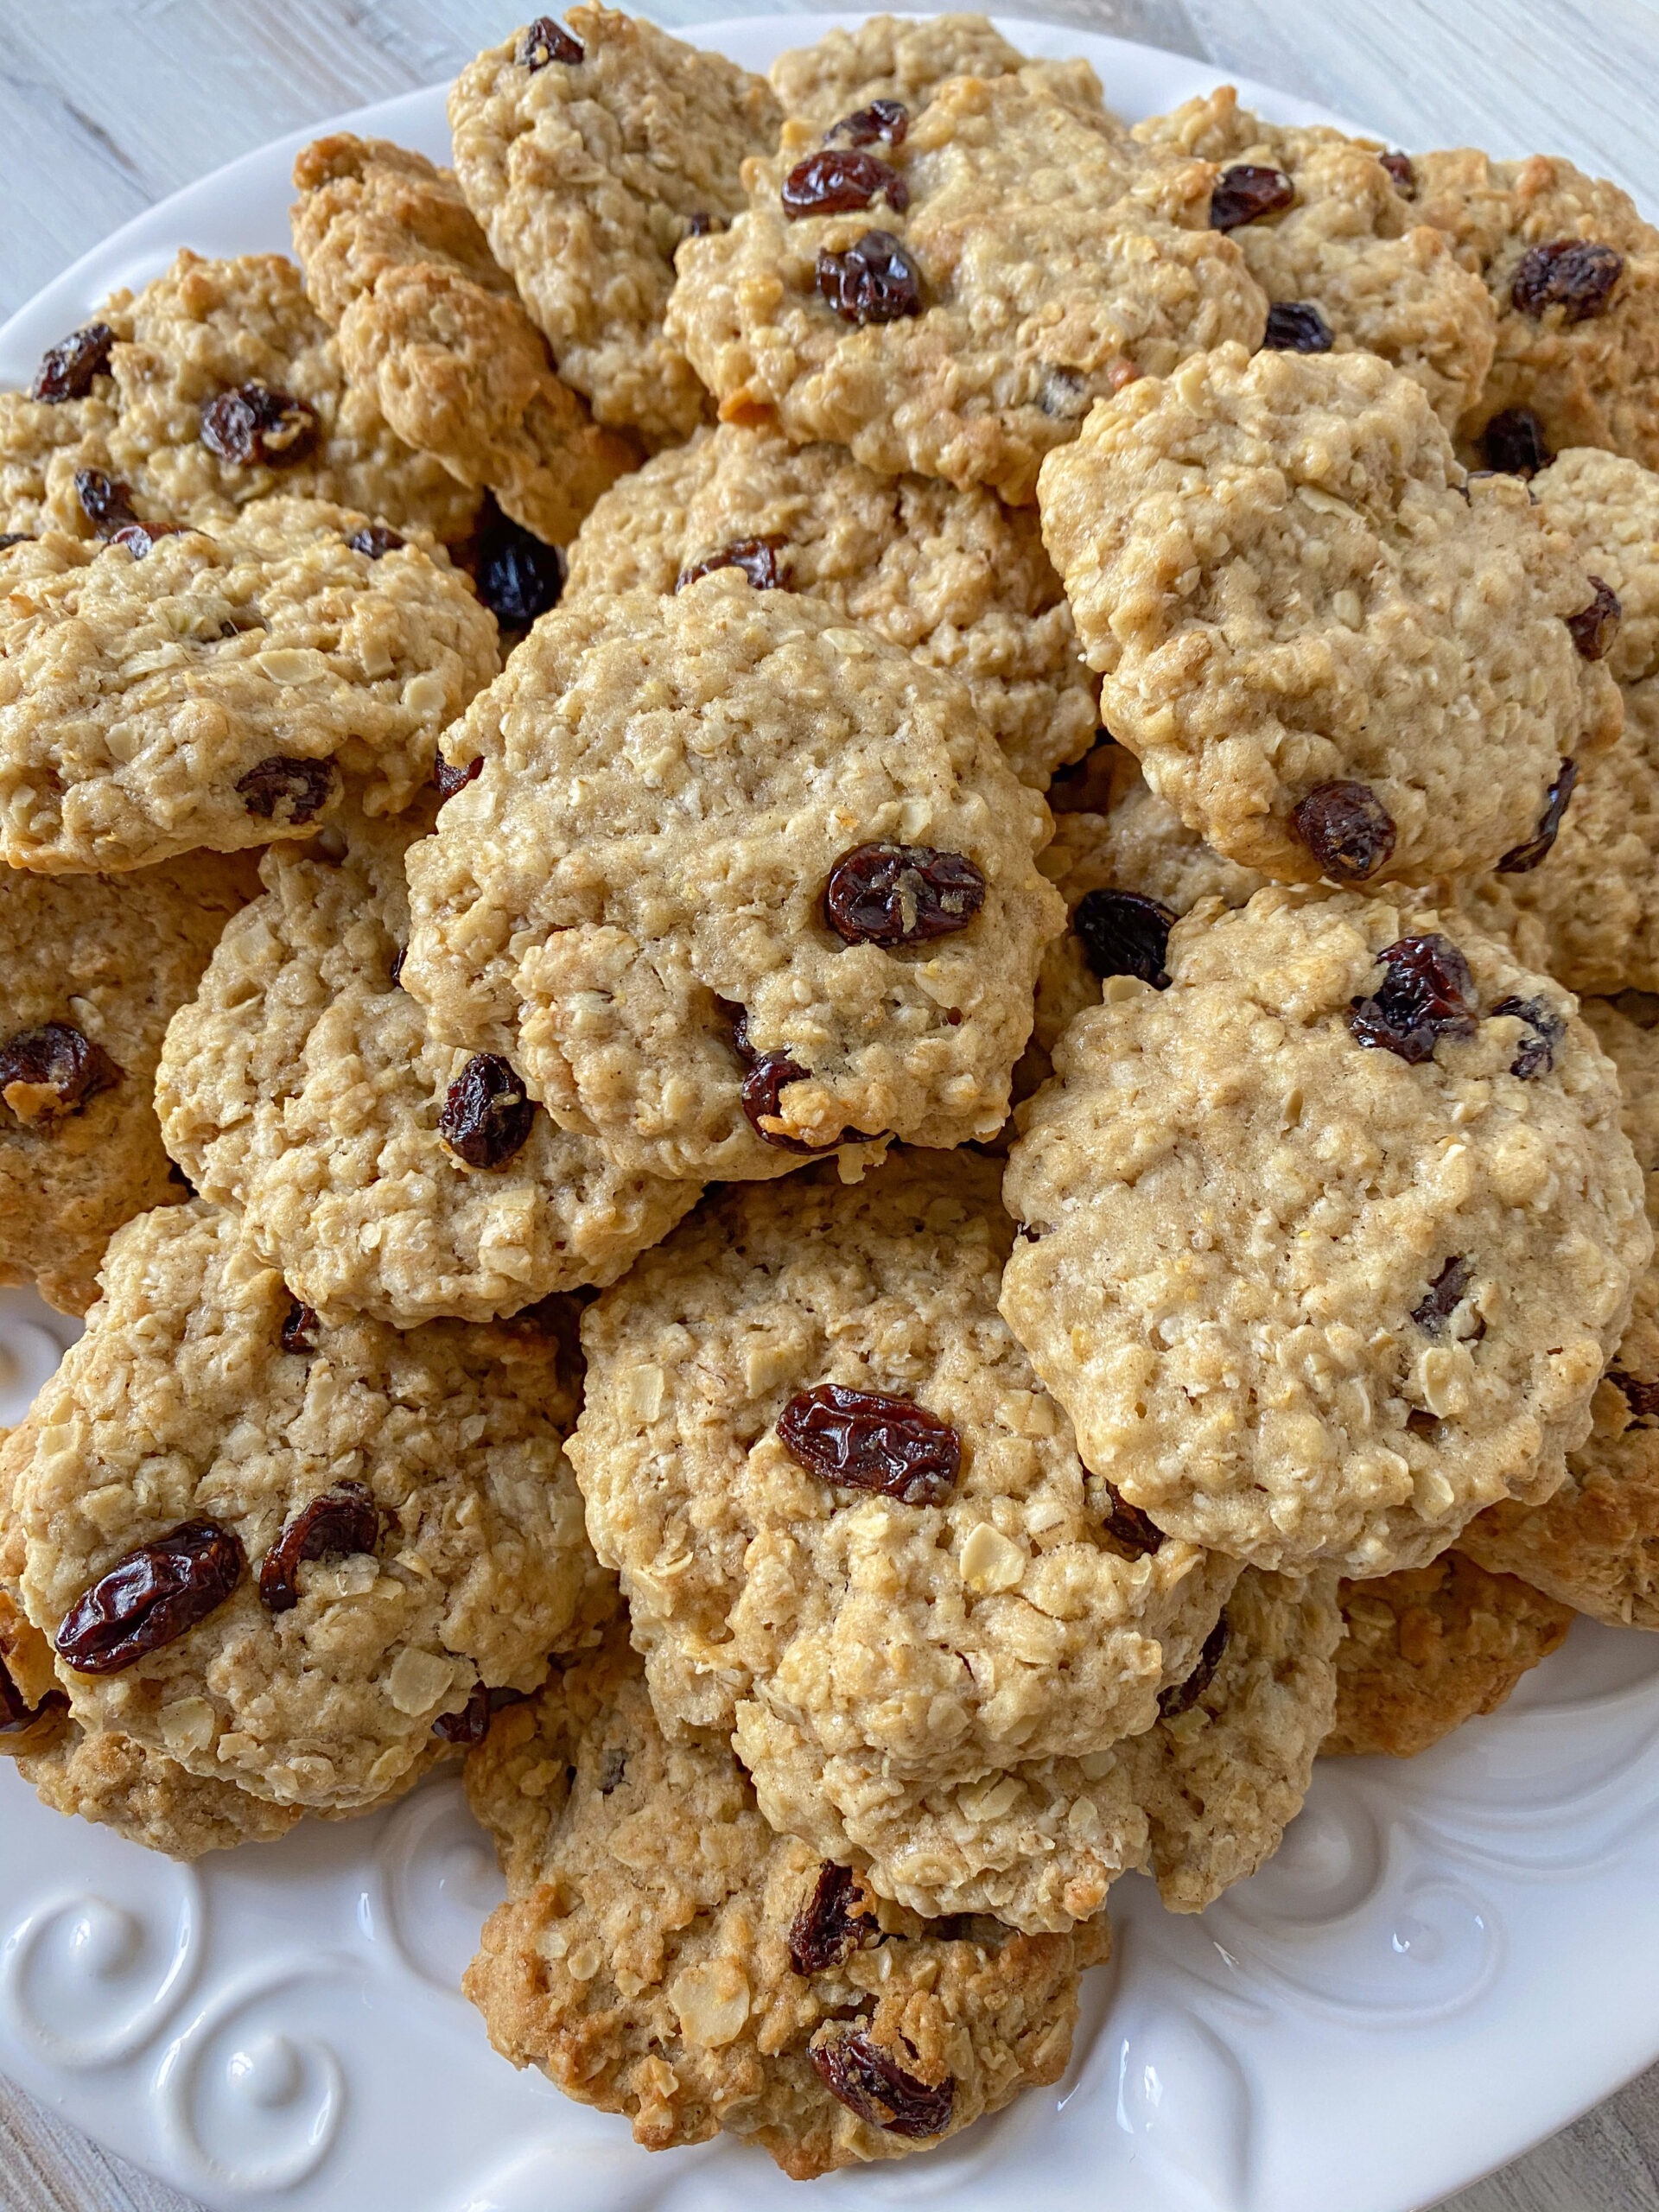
955 577
586 171
215 689
1290 593
301 1085
1419 1226
669 785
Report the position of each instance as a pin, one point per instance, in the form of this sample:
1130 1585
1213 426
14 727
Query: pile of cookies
793 893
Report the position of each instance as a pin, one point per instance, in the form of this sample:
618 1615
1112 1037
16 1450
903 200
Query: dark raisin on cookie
1346 828
1124 933
18 1717
861 2076
51 1071
756 556
1594 627
151 1598
376 540
280 789
139 538
472 1724
300 1327
1399 167
837 1918
1546 1028
448 778
546 40
702 224
1522 859
901 894
1514 443
69 369
1246 192
105 502
873 281
1297 327
487 1114
1135 1531
1444 1293
1181 1697
1642 1397
1576 275
839 180
256 426
870 1439
343 1522
520 575
887 120
1428 992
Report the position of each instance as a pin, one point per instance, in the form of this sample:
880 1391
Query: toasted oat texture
642 1957
1282 1205
1053 263
395 262
111 958
181 1403
211 690
205 328
1430 1647
1595 1545
906 59
955 577
1350 245
667 784
301 1086
1590 380
1284 582
844 1630
586 175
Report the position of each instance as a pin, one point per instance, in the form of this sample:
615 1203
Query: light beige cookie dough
1595 1544
301 1087
632 900
954 577
1375 1228
588 151
92 968
662 1955
906 59
1430 1647
1577 332
204 1397
1040 263
216 690
395 262
1293 597
162 423
1348 244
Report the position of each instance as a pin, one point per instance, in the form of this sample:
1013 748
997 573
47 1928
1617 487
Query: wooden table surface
105 105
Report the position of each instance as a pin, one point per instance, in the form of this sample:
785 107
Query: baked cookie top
1375 1228
1333 656
663 1954
381 1172
1331 238
1573 274
955 577
280 1552
735 882
905 59
1198 1800
396 262
1595 1544
953 303
219 383
1430 1647
92 968
173 691
588 154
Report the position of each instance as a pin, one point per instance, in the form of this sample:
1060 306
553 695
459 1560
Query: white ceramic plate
1446 1960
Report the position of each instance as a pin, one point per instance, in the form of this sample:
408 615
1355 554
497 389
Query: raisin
1595 626
1128 1525
472 1724
151 1598
1399 167
10 538
702 224
861 2074
873 281
839 180
1521 860
139 538
836 1920
1641 1398
546 40
487 1114
756 556
1445 1293
342 1520
18 1716
768 1073
300 1327
106 503
256 426
1514 443
449 779
1346 828
1536 1055
395 971
901 894
1124 933
883 119
1427 994
868 1440
279 789
377 539
1181 1697
519 575
1297 327
67 369
1576 275
48 1073
1246 192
